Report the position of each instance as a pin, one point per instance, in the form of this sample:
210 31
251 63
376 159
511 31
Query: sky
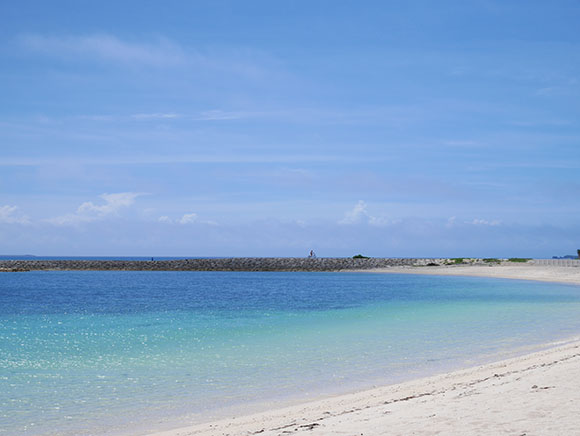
269 128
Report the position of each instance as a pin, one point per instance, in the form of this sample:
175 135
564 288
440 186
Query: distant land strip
248 264
220 264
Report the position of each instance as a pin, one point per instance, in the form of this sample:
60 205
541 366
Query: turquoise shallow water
117 352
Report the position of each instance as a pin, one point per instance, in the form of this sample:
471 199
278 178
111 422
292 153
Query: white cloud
188 218
10 215
451 221
301 223
483 222
113 202
106 47
355 215
89 211
359 214
380 221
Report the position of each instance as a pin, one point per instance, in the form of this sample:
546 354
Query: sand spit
507 270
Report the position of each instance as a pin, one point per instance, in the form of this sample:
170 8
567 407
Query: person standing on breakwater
312 254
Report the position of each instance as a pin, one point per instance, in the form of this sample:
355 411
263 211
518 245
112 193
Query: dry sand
537 394
508 270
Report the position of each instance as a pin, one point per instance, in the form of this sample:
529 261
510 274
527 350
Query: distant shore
218 264
540 269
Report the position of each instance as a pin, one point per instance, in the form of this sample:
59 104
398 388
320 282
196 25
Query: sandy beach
535 394
507 270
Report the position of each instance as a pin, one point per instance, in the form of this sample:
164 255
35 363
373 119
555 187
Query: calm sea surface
118 352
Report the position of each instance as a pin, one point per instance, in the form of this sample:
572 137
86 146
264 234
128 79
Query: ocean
109 352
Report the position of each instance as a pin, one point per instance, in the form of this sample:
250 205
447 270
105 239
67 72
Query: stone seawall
226 264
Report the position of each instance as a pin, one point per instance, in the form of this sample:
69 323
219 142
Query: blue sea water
104 352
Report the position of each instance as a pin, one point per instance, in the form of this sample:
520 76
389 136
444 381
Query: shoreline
538 390
539 394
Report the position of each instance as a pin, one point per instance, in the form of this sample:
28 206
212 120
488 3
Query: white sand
537 394
508 270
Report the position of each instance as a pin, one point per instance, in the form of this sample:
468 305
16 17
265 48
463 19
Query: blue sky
388 128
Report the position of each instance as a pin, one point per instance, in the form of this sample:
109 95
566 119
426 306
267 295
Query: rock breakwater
222 264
